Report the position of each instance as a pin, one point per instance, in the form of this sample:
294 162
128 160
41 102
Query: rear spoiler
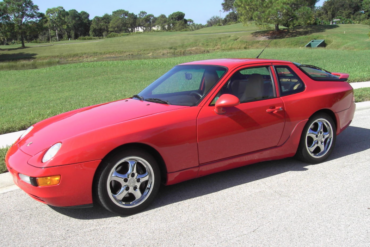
341 76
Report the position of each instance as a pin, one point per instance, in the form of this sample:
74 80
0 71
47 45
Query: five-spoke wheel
127 182
318 139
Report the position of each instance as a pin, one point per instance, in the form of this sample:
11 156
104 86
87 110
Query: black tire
317 143
127 182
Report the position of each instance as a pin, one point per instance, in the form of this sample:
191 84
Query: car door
255 124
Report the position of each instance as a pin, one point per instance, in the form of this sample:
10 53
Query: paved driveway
278 203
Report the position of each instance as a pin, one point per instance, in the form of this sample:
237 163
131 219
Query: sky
198 10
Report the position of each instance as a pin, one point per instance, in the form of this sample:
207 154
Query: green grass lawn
362 94
2 160
167 44
28 96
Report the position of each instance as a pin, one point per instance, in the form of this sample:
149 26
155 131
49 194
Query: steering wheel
196 94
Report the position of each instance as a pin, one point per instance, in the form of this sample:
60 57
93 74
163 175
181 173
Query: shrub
87 38
115 35
2 160
112 35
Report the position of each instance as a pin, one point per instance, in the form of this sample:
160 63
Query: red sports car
199 118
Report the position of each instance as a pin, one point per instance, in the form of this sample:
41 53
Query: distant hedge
115 35
87 38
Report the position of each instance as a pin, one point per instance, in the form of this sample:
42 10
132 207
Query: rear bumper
345 118
74 189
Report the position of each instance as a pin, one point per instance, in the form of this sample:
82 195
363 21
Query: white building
141 29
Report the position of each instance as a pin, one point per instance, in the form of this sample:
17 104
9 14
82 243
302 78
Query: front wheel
318 139
128 182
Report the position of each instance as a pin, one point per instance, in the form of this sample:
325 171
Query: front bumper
74 189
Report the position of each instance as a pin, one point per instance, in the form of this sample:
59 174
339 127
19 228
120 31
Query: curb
6 180
6 183
7 140
357 85
362 105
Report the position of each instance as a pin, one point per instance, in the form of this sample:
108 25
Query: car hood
70 124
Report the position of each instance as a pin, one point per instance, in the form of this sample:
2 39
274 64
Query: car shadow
92 213
352 140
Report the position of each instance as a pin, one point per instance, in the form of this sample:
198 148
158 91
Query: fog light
48 181
25 178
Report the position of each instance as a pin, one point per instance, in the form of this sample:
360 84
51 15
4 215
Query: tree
73 20
122 21
162 22
277 12
231 17
366 9
366 6
142 14
34 28
56 21
4 23
214 21
177 21
228 5
96 27
146 21
20 13
131 22
149 21
85 24
100 26
333 9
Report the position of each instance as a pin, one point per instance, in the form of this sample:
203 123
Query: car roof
233 62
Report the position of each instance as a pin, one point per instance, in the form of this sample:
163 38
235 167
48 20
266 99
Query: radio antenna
265 47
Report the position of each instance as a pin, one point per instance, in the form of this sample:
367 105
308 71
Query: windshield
184 85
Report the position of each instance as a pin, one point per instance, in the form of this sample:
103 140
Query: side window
289 81
251 84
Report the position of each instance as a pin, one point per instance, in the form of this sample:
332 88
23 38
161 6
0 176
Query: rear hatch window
317 73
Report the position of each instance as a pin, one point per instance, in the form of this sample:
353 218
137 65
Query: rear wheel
128 182
318 139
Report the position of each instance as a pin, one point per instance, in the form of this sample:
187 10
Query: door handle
275 110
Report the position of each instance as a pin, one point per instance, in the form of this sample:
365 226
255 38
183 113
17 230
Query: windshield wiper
155 100
138 96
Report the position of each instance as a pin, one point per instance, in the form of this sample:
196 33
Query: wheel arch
141 146
330 113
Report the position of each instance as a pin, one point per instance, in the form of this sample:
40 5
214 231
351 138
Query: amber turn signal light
48 181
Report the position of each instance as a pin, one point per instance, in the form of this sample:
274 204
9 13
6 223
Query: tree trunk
56 32
22 39
277 27
49 35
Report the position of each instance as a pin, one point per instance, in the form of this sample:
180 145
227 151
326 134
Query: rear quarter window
289 82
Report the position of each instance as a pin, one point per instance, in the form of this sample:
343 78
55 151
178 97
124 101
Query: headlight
51 152
26 133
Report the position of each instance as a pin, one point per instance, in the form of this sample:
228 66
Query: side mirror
226 100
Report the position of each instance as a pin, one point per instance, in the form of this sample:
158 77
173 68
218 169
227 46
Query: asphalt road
277 203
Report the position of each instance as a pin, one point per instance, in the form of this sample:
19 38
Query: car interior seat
210 79
248 90
253 89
